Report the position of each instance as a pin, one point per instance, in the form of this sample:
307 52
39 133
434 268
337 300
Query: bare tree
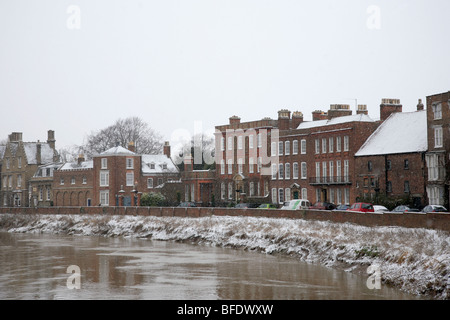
122 132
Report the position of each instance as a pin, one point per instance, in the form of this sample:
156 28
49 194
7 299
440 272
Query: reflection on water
34 267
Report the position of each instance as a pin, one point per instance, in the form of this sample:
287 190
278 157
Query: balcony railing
330 180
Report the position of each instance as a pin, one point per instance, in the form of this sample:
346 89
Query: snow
30 149
118 150
89 164
159 160
414 260
401 132
336 120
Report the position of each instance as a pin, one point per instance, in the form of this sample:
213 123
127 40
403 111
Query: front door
295 194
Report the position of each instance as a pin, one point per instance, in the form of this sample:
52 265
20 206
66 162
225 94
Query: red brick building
73 183
437 157
316 159
390 165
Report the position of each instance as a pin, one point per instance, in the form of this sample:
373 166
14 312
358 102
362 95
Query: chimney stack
339 110
51 139
389 106
235 121
131 146
420 105
166 149
15 137
362 109
284 116
297 118
80 159
319 115
188 166
38 152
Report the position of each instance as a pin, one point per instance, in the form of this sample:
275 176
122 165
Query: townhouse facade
390 165
20 162
437 156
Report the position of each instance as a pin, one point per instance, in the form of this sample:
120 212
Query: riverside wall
439 221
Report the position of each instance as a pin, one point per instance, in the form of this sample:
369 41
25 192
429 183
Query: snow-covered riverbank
414 260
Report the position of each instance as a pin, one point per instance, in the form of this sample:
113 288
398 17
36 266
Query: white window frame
303 146
304 170
149 183
104 163
338 144
324 145
295 147
287 171
130 179
438 141
250 141
104 178
287 147
346 143
295 170
129 163
104 197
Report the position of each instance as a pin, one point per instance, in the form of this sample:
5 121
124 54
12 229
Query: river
35 266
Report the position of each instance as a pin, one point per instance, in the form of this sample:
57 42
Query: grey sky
176 62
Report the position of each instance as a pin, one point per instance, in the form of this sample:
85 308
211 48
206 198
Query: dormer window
164 166
152 165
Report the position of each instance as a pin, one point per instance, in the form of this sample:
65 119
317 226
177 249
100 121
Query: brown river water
35 266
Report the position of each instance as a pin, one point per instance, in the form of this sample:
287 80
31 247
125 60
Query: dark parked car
187 204
434 208
247 205
323 206
342 207
399 209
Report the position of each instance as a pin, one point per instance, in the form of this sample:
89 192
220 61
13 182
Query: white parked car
379 209
434 208
297 204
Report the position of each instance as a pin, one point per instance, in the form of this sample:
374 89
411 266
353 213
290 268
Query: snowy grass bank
415 260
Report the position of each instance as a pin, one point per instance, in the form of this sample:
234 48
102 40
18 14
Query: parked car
268 206
434 208
403 208
187 204
246 205
296 204
341 207
323 206
361 207
379 209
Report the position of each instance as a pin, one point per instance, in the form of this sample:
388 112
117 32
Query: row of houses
337 157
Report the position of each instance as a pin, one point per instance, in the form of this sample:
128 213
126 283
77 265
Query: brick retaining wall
439 221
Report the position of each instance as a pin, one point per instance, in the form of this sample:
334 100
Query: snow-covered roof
30 148
157 163
89 164
401 132
116 151
2 151
336 120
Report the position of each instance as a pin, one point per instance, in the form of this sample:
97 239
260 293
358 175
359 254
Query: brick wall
439 221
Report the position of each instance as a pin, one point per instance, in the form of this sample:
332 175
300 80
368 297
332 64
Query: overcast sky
77 66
